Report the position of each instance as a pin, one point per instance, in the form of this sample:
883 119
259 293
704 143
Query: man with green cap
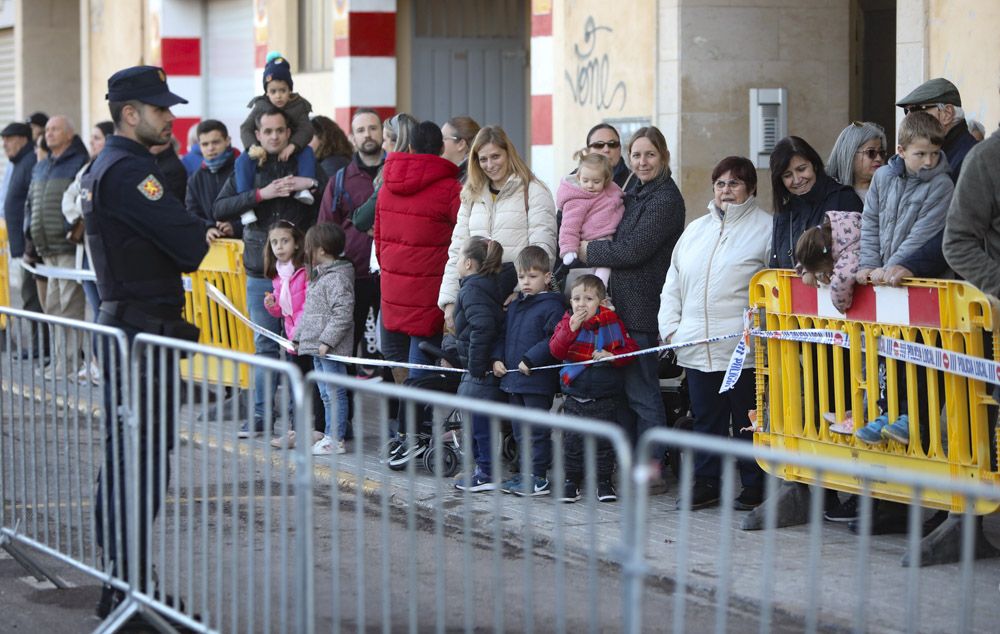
939 98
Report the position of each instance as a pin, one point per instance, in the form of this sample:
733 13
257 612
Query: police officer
141 239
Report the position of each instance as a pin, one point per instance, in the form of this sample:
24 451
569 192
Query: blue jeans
541 437
328 392
642 388
264 347
246 168
487 389
401 347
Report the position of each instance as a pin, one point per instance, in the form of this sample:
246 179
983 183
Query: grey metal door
470 58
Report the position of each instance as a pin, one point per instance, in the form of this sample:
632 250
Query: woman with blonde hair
501 200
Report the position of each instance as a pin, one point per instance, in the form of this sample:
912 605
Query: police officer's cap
147 84
17 129
938 90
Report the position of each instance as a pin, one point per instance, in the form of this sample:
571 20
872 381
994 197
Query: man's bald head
59 133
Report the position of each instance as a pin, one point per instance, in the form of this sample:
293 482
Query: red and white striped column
542 84
364 64
180 52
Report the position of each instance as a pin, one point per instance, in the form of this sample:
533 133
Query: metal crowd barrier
223 268
52 443
4 271
799 381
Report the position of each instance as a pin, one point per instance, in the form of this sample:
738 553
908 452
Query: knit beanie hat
277 68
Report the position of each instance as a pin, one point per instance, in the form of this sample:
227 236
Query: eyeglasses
599 145
871 153
456 139
922 107
733 184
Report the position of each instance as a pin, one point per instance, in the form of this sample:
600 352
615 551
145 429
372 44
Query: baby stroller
400 451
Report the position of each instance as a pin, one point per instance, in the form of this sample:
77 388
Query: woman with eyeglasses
706 290
603 139
802 194
859 151
638 256
458 134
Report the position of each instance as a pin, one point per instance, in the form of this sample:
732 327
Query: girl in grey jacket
327 325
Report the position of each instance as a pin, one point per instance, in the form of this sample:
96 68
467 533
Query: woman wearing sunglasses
603 139
858 152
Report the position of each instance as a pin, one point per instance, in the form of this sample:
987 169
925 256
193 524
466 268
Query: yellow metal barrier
223 267
797 382
4 272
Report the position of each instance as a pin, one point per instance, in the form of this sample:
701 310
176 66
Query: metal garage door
229 63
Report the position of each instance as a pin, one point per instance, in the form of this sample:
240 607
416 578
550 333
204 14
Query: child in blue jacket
531 320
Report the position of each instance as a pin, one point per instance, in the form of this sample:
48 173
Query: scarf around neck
285 271
214 165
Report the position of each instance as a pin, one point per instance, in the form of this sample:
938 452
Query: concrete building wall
117 30
47 45
712 53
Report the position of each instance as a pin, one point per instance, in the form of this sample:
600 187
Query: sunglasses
871 153
922 107
599 145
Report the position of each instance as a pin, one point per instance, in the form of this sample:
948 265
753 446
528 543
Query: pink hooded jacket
587 216
297 286
845 227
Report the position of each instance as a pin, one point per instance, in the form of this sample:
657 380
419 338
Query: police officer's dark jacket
230 205
141 237
49 180
17 194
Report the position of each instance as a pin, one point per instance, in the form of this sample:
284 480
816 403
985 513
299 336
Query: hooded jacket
639 255
328 316
586 215
706 289
531 322
903 211
297 285
478 322
845 229
297 109
17 194
513 220
414 217
972 231
807 211
49 180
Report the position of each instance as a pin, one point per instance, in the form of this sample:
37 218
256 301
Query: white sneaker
90 373
305 197
341 448
323 447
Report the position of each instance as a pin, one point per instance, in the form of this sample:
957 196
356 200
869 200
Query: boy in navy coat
531 320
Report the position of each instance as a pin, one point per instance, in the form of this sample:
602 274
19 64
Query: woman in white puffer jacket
496 205
705 293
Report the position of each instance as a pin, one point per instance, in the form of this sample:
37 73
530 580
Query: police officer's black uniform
141 239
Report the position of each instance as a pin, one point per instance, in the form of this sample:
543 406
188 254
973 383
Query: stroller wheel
508 448
449 460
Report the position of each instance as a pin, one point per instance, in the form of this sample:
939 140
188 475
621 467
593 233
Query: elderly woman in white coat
704 296
501 200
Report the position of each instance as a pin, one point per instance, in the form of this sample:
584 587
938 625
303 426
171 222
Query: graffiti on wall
591 83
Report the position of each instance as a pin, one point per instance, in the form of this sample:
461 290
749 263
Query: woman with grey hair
397 136
859 151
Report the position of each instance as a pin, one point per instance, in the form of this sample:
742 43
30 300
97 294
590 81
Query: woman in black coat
803 193
639 256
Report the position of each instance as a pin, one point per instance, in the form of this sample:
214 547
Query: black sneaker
246 432
889 518
749 499
407 450
846 512
703 495
606 491
570 492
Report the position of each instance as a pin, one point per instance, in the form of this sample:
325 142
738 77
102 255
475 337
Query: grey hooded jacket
903 211
328 316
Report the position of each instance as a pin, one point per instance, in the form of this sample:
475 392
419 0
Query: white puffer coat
707 285
508 221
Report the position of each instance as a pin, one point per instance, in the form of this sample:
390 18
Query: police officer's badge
151 188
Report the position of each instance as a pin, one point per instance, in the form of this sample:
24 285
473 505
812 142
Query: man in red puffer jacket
414 217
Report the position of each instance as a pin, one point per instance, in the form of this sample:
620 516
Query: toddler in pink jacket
830 253
284 263
592 206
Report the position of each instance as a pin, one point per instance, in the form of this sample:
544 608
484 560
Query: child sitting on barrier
278 92
905 207
588 331
327 325
592 207
828 254
478 327
531 321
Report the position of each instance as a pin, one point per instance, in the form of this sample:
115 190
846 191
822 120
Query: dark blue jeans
245 168
264 347
487 389
401 347
642 390
541 437
717 414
